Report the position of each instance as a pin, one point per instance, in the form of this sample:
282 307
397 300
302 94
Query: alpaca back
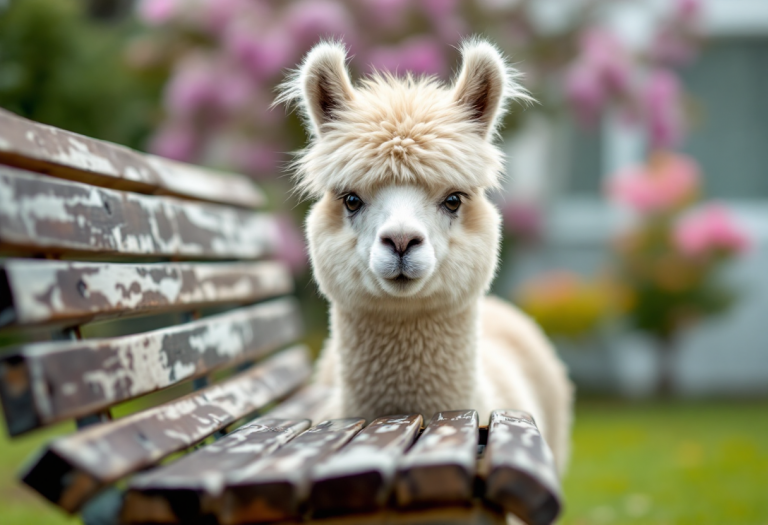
520 370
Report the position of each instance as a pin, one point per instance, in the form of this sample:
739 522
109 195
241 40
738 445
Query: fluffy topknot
400 130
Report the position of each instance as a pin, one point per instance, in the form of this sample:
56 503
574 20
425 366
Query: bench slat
521 473
308 403
68 293
273 488
45 149
189 488
42 383
440 467
160 506
359 477
41 214
74 468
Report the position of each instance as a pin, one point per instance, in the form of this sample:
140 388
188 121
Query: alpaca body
487 356
404 243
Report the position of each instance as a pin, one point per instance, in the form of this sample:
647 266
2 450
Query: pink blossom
688 11
218 14
191 87
157 12
310 20
387 14
603 51
663 104
711 229
232 90
419 55
451 29
585 91
602 70
671 47
264 52
439 9
258 159
291 248
177 141
668 181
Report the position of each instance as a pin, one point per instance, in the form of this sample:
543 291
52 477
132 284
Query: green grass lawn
679 463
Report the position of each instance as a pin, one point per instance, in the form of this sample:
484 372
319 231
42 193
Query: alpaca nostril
400 244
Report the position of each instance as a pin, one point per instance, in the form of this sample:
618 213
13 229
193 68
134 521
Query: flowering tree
670 260
226 56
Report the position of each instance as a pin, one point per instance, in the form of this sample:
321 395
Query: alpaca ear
485 85
321 86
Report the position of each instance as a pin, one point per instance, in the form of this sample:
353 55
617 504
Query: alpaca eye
353 202
452 202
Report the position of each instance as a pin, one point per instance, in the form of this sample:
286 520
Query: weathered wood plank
41 214
273 488
359 477
520 470
476 514
308 403
440 468
67 293
65 379
74 468
190 488
45 149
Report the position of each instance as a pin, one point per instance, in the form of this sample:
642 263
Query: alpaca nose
402 242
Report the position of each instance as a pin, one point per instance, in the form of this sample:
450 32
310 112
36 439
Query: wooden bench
151 236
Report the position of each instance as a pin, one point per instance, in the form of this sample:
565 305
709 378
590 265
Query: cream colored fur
411 328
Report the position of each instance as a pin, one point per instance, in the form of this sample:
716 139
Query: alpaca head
401 167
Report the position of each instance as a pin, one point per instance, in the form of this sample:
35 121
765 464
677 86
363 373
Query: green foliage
62 68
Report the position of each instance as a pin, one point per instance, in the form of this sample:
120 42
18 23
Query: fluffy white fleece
436 341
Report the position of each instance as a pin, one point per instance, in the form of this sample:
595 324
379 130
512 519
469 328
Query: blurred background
635 205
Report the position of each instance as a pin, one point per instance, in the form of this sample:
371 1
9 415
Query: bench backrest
91 231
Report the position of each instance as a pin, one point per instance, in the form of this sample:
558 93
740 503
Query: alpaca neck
406 362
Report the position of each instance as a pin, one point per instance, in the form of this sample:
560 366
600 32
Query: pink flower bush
177 141
265 52
156 12
192 86
419 55
308 20
709 230
388 14
667 182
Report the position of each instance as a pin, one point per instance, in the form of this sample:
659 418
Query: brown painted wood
45 149
274 488
521 474
39 214
440 468
189 489
476 514
74 468
308 403
66 379
65 293
360 476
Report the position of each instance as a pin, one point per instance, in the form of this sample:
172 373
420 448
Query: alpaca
404 244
